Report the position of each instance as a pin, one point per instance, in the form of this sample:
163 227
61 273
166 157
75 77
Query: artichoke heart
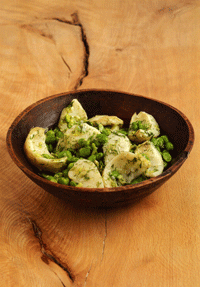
37 152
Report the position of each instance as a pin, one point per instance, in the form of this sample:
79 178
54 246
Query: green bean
49 177
135 126
154 141
165 164
115 173
123 131
70 165
73 159
64 153
166 156
100 139
59 135
106 131
121 179
138 179
169 146
83 143
92 157
100 127
50 137
47 156
50 148
101 166
68 118
99 156
63 180
72 183
84 152
58 174
165 138
160 142
65 171
142 125
94 148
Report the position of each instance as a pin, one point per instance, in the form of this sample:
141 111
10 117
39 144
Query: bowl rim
151 181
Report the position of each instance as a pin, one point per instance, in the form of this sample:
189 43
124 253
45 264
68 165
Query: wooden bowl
46 112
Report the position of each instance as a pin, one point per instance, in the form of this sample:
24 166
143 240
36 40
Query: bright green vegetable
154 141
72 183
166 156
63 180
50 137
92 157
160 142
47 156
58 174
100 139
73 159
58 134
83 142
165 138
64 153
94 148
139 179
106 131
142 125
169 146
165 164
49 177
84 152
50 148
135 126
99 156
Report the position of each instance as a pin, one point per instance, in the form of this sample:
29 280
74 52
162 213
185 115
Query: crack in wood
66 64
76 22
32 28
105 235
86 277
49 256
60 280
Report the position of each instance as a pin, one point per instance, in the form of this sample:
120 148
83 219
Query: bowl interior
46 113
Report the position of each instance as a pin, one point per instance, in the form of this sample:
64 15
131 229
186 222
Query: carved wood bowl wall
46 112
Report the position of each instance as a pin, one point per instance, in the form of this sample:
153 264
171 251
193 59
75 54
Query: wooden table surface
144 47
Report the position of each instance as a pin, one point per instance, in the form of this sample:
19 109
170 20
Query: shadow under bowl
46 112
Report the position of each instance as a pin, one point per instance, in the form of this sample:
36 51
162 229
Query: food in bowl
100 151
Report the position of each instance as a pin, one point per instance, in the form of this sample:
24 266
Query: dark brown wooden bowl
46 112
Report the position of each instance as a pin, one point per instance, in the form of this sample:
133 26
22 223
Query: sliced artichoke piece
143 127
77 132
148 150
113 121
72 114
115 145
123 168
86 174
37 152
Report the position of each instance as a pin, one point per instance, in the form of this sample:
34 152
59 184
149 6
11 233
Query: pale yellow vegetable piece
127 165
141 135
86 174
115 145
74 112
148 150
36 151
106 120
81 131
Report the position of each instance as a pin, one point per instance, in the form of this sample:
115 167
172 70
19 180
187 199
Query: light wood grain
145 47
